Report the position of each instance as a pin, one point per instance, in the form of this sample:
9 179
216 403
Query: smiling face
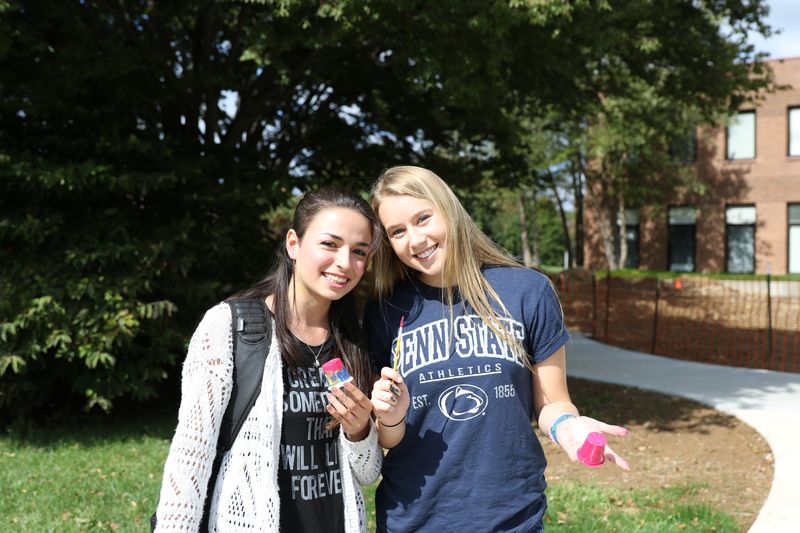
418 235
331 257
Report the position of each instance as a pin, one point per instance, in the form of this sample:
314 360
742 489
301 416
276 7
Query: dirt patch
673 442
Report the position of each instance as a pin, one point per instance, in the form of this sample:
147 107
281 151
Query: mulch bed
673 442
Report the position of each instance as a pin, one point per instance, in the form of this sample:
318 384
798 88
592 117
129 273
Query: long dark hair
343 318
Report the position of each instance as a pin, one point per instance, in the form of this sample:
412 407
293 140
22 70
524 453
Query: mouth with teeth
425 254
335 279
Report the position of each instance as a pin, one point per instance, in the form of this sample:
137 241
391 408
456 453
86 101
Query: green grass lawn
105 476
574 507
93 476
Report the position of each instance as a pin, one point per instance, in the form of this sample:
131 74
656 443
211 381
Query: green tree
661 69
648 72
142 143
496 211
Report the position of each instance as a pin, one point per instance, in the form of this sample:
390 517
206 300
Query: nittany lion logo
462 402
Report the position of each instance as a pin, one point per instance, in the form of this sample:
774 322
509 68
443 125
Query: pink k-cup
335 373
593 450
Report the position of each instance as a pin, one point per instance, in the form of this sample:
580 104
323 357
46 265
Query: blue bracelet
565 416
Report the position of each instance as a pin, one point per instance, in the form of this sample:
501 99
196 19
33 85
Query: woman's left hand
573 432
352 408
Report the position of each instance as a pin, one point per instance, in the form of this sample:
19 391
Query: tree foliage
662 70
650 73
143 143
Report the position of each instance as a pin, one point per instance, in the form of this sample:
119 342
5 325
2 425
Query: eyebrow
334 236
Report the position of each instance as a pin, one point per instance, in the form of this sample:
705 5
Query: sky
784 16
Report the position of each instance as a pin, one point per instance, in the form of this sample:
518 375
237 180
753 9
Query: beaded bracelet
393 425
565 416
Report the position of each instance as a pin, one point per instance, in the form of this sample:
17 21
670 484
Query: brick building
749 218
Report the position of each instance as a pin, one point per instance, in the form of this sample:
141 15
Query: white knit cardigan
245 497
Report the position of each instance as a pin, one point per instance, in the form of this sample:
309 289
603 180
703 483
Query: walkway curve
766 400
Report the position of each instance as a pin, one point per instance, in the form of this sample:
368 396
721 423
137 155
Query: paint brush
396 363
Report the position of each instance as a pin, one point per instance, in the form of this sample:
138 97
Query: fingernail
395 389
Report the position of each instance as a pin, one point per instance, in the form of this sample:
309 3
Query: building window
794 131
794 238
632 238
740 239
684 149
681 244
741 142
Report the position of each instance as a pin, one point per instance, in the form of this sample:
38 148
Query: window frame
789 110
670 225
727 232
755 137
690 139
789 226
633 227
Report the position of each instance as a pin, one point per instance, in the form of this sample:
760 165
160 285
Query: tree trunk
604 207
534 235
607 233
623 242
527 259
577 191
563 215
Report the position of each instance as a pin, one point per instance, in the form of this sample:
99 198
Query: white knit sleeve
365 456
205 389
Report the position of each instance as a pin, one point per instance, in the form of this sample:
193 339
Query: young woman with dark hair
292 467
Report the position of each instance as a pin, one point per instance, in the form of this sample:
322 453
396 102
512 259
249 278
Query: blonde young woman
290 468
480 356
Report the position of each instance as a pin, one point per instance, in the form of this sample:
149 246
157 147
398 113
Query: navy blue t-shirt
469 459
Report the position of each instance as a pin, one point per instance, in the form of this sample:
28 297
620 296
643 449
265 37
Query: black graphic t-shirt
309 476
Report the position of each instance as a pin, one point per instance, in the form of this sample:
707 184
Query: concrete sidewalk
766 400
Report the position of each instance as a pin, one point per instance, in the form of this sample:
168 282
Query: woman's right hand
573 432
390 398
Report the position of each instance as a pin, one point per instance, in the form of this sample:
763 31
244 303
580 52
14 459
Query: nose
415 238
343 259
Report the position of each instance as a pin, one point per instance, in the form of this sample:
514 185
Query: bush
94 276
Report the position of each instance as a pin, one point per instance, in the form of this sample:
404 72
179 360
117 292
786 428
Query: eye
328 244
360 252
423 218
397 232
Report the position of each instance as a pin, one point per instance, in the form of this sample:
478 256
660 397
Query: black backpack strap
251 341
252 336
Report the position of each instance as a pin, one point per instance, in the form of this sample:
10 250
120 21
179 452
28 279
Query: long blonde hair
468 249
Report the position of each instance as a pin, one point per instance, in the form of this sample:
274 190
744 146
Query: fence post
594 304
769 317
655 317
608 293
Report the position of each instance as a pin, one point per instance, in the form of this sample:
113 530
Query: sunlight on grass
577 507
106 476
101 477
